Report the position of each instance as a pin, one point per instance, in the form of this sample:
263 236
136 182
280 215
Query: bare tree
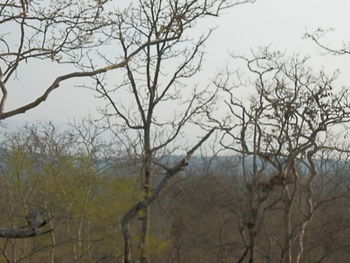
59 32
318 37
278 136
153 88
63 32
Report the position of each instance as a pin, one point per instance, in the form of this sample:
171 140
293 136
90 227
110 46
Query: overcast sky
280 24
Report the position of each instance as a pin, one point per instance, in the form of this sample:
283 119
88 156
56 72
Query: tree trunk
146 202
146 212
287 253
145 234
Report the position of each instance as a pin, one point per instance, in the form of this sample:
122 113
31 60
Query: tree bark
139 206
22 232
146 212
36 219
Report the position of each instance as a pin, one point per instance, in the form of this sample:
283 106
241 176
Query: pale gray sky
278 23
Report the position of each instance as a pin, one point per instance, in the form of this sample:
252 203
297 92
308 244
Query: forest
248 166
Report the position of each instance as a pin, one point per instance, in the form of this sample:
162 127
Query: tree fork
170 172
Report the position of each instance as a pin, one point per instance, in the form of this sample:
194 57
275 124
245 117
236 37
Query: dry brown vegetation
265 180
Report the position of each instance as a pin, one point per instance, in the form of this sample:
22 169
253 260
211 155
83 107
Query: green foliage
85 205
